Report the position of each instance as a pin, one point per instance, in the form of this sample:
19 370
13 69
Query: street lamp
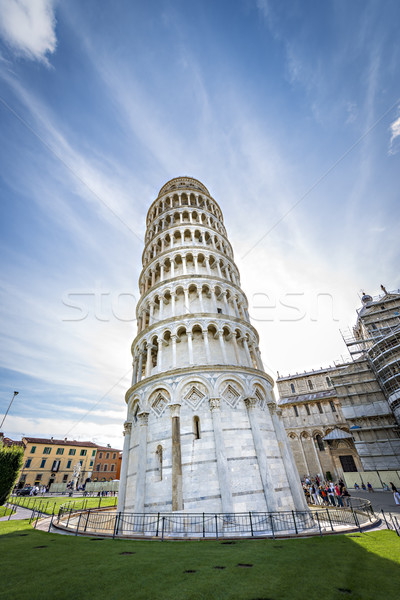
9 406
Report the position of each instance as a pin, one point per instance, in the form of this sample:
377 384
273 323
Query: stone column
124 467
321 473
247 351
235 346
151 319
173 338
187 302
214 299
172 268
135 370
200 295
177 496
161 309
143 418
190 346
173 303
148 360
225 303
207 259
222 346
160 354
222 462
219 269
162 272
196 263
184 266
266 477
304 455
206 346
140 368
292 474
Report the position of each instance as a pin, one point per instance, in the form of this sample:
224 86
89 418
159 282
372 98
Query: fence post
384 516
69 516
204 526
116 524
251 525
51 523
356 521
79 522
271 516
216 527
87 519
158 522
162 529
294 521
329 519
319 524
394 526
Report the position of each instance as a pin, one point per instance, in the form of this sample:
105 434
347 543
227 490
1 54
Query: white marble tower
203 431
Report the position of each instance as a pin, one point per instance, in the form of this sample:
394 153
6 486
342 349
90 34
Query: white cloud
28 26
395 133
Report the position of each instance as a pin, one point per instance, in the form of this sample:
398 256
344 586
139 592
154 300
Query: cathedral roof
307 397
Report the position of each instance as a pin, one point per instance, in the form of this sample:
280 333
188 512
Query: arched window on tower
196 428
292 388
159 455
320 443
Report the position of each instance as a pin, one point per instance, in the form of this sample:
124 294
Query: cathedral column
153 276
135 370
173 338
200 295
235 347
140 368
162 272
292 474
161 309
184 266
219 269
148 360
187 302
247 351
321 473
151 320
214 299
265 473
196 263
222 346
304 455
225 303
143 418
160 354
190 217
222 462
206 346
177 496
207 260
173 299
124 467
190 346
172 268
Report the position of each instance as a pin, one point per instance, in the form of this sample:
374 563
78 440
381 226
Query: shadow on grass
37 565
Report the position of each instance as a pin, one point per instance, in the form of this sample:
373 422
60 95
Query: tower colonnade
203 432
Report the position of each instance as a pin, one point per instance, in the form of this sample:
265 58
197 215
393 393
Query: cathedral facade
203 431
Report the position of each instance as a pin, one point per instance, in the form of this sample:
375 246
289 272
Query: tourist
369 486
396 494
338 496
346 496
356 486
331 494
363 486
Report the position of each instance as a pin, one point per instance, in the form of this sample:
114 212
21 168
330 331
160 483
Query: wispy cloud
394 134
28 27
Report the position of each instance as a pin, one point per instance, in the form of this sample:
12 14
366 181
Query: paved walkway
20 513
379 500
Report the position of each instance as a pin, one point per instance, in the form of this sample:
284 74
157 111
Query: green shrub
11 459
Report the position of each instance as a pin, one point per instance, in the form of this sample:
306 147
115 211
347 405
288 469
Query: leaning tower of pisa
203 432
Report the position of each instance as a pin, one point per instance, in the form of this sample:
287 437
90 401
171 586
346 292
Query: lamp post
9 406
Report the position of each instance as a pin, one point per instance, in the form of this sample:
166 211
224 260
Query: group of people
326 493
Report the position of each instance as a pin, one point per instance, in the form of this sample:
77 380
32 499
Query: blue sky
289 112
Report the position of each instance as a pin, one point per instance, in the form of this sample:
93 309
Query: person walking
396 494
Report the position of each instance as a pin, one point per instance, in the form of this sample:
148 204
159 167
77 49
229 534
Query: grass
47 504
4 511
37 565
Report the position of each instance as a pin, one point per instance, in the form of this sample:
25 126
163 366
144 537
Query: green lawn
37 565
47 504
4 511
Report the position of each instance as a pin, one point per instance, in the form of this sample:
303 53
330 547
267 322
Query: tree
11 459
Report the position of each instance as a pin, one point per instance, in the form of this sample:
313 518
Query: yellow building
48 461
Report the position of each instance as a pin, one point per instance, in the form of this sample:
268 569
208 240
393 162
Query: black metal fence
215 525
